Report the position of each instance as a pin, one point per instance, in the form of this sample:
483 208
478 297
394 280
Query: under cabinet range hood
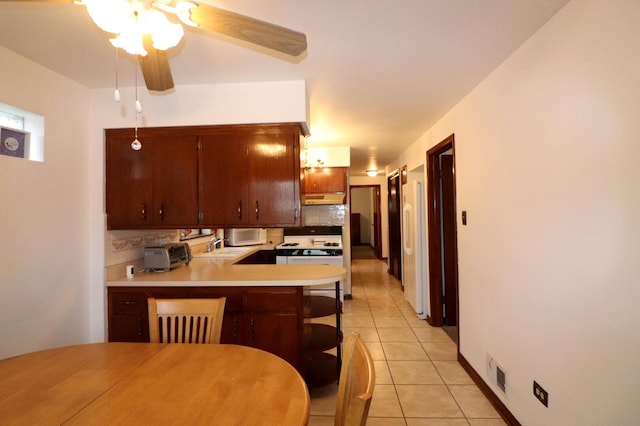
318 199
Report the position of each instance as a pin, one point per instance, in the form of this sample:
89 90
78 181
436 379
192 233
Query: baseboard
486 390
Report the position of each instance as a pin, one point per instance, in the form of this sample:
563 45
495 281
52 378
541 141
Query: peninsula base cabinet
267 318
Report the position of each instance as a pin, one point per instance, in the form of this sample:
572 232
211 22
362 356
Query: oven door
314 260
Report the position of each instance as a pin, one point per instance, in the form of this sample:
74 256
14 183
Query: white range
313 245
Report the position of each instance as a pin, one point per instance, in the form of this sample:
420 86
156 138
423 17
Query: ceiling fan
149 28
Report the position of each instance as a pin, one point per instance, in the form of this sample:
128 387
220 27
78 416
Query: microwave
245 236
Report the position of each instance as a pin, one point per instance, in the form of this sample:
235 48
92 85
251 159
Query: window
11 120
21 133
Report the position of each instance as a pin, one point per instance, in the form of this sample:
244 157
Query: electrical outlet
541 394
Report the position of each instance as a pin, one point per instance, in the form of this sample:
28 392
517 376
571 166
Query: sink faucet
213 242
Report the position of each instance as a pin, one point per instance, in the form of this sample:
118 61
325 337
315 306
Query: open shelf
320 306
321 337
321 369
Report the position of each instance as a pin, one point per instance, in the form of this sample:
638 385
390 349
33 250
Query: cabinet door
129 328
175 180
233 329
275 333
274 178
325 180
223 180
128 189
155 186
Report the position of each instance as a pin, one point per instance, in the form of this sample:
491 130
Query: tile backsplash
124 246
333 215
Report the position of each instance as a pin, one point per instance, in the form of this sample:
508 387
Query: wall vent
497 375
501 379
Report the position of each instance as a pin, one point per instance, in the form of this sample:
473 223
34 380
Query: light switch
464 217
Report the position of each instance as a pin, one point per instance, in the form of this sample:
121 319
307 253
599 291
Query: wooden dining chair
185 320
357 380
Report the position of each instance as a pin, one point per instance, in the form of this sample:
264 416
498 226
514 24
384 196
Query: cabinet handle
128 302
235 327
139 326
144 210
161 211
295 214
239 209
253 329
257 210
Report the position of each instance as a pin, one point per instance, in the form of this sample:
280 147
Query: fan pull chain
136 145
116 94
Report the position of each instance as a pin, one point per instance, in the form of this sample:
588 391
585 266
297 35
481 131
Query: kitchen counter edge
216 273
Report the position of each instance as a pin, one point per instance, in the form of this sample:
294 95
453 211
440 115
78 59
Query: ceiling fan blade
249 29
155 67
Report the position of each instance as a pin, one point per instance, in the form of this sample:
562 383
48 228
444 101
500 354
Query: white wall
44 215
547 152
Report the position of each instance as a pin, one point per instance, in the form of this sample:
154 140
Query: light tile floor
419 381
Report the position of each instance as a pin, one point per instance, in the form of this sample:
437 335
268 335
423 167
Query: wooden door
274 178
377 223
175 181
395 244
449 246
129 189
443 252
223 180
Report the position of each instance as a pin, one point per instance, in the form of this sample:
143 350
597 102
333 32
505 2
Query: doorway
366 227
443 240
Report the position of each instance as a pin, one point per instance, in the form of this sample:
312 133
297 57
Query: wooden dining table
151 384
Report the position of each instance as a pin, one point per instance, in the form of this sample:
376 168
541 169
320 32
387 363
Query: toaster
163 258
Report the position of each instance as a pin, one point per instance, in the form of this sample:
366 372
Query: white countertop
206 272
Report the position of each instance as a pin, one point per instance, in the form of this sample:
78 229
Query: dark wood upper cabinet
154 186
274 178
130 169
175 180
203 176
224 193
325 180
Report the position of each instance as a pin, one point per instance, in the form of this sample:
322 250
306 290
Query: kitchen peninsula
265 305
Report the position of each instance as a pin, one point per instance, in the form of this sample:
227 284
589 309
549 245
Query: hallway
418 379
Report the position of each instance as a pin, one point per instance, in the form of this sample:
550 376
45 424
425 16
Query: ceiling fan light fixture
130 41
131 21
165 34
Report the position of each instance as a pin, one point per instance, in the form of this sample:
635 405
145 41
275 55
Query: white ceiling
378 73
